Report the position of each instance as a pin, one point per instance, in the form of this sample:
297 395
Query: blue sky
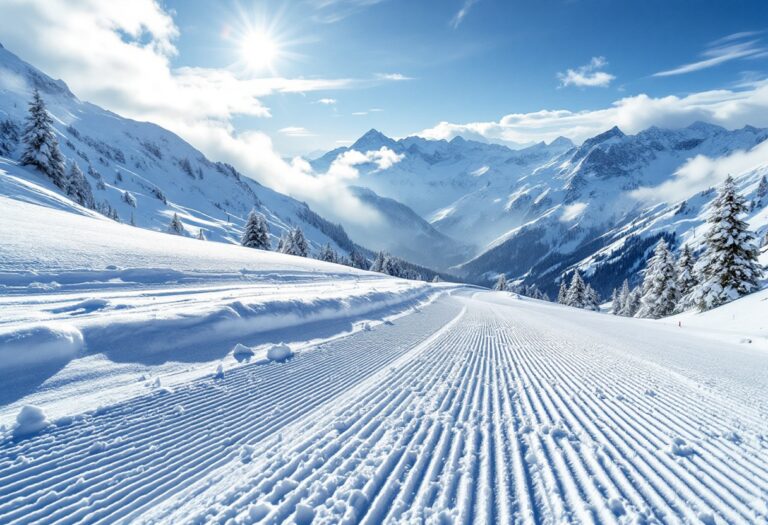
502 57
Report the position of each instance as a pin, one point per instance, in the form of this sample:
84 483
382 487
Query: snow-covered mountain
535 212
145 173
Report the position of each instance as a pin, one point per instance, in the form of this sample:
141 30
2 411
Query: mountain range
539 211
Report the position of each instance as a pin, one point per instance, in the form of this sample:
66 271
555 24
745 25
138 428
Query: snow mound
31 420
242 350
37 344
279 353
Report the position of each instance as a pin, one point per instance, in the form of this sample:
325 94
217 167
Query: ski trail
466 412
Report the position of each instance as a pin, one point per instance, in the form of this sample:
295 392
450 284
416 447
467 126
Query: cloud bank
728 108
702 172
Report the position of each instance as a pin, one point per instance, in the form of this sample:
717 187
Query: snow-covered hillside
88 305
146 173
534 212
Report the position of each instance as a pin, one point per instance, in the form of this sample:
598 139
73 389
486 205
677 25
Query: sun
258 50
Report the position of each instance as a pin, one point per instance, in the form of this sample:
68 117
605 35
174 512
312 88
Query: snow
279 353
478 407
31 419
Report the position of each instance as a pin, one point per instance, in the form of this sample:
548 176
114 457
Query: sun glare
258 50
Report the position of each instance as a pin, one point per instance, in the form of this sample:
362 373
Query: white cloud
327 101
344 166
359 113
589 75
702 172
729 108
296 131
731 47
118 54
458 18
392 76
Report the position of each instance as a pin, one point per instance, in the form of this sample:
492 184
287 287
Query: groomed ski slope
476 408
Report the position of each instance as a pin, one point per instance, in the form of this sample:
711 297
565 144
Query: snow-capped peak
373 140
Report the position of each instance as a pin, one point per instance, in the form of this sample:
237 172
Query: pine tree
576 295
256 233
624 294
301 247
436 279
591 299
175 226
201 235
616 305
328 254
395 267
686 278
729 267
634 301
562 294
41 147
285 239
294 243
378 263
129 199
762 188
501 283
659 292
78 188
357 260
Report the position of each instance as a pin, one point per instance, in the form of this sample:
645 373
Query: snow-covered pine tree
660 293
41 149
591 299
562 294
634 301
686 278
328 254
301 248
378 262
501 283
392 266
256 233
729 267
358 260
285 240
78 188
129 199
201 235
762 188
624 294
175 226
436 279
576 295
616 301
